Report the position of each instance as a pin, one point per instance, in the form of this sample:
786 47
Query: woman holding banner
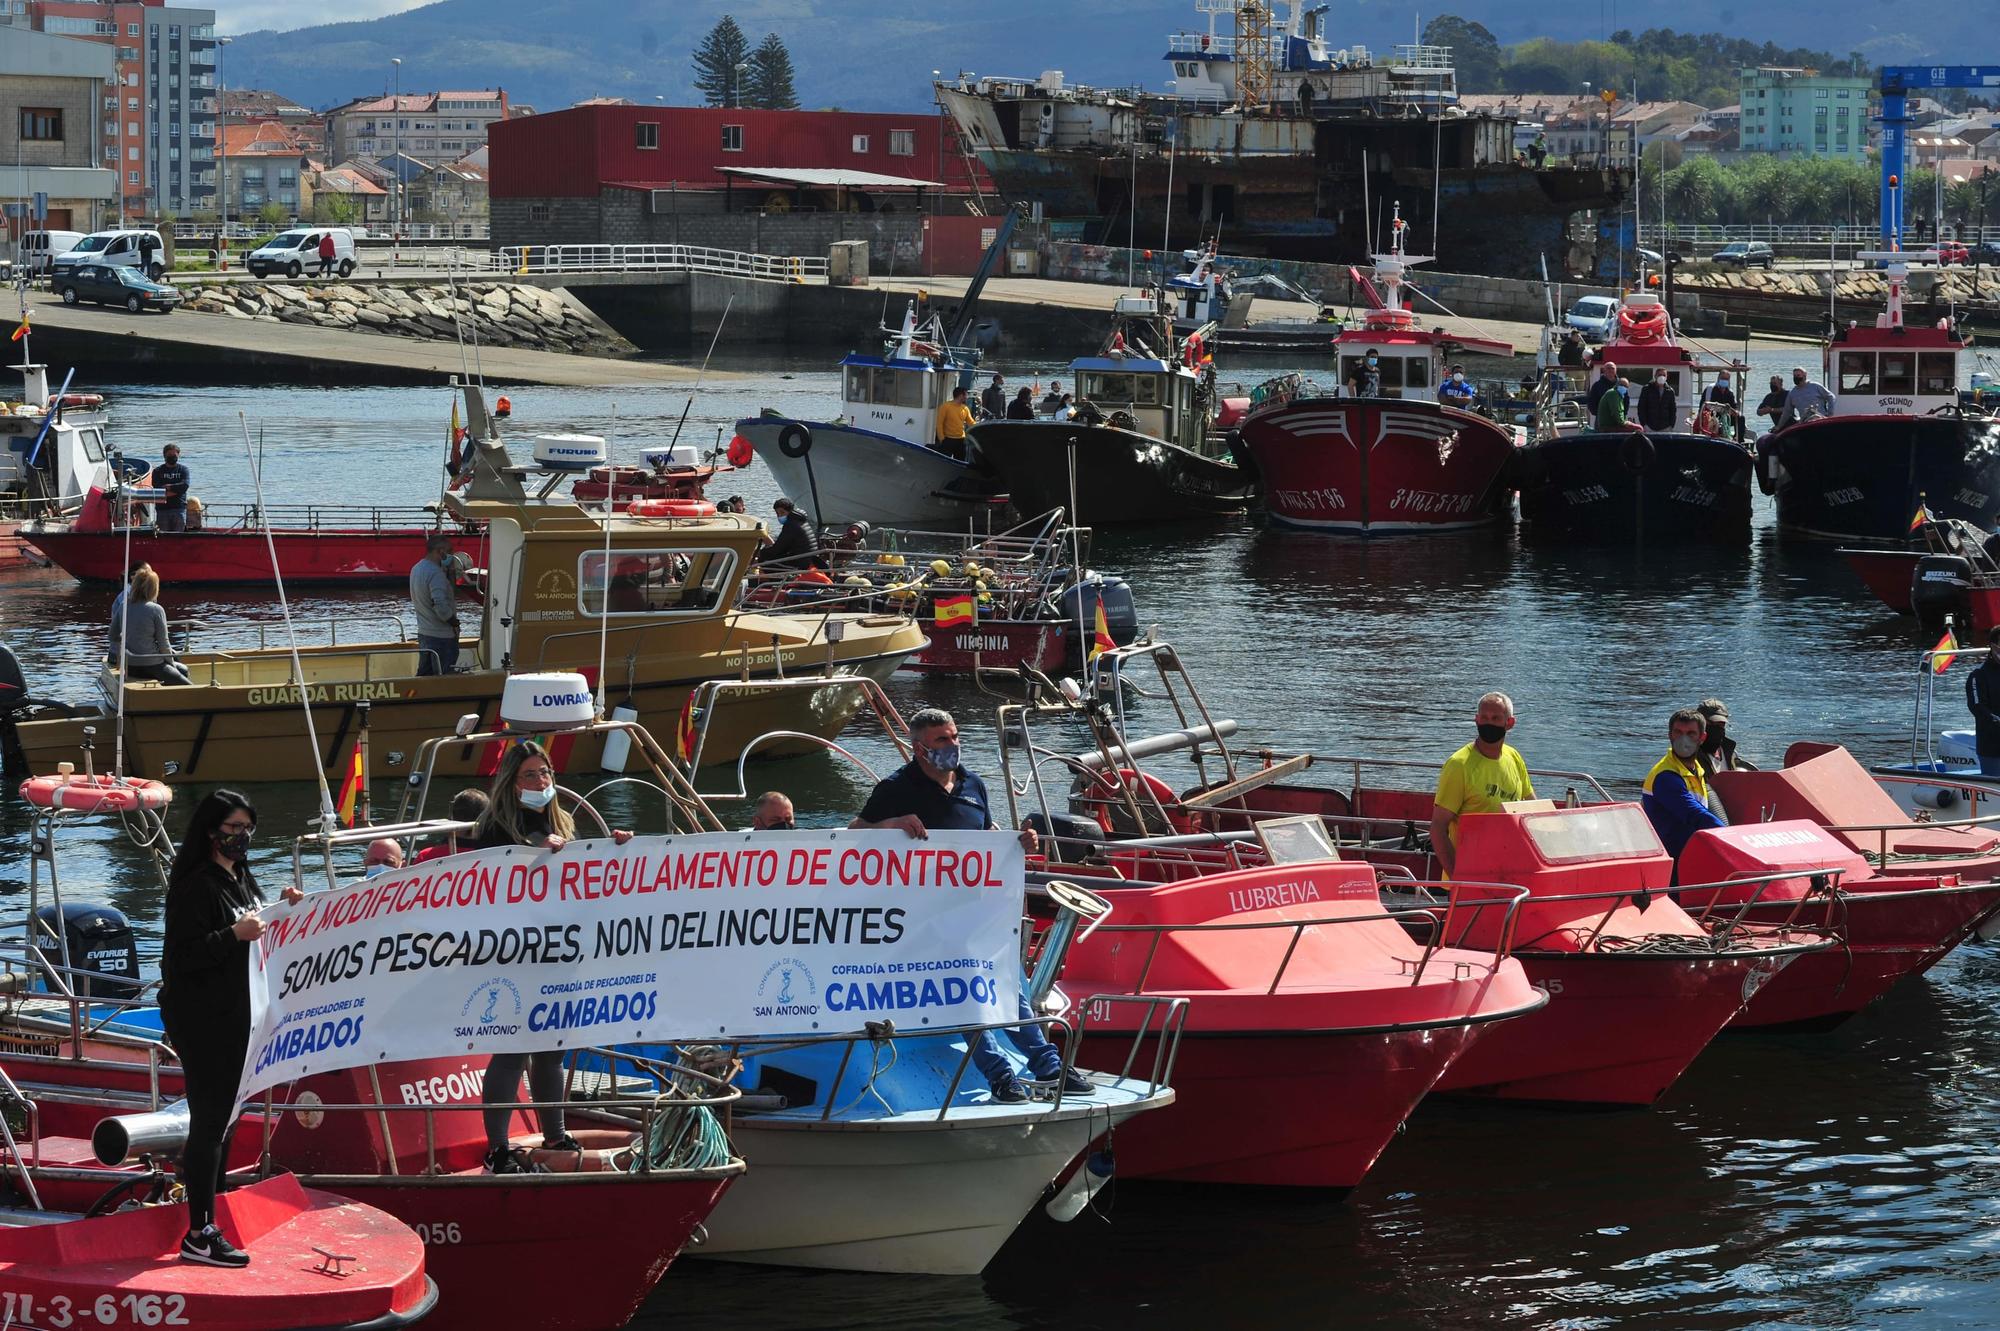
211 919
522 810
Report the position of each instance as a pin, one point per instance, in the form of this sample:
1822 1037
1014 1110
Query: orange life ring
671 508
94 794
82 400
1124 778
740 452
1649 326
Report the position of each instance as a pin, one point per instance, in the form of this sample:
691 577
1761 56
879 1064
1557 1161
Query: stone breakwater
1866 285
498 314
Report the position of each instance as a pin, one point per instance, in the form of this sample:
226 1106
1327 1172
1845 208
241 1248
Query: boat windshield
1397 372
1617 831
654 582
1129 389
885 387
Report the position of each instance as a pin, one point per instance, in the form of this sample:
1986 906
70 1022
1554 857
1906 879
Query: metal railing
528 259
1860 235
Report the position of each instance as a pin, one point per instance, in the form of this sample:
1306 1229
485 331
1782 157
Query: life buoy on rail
1107 793
1645 324
671 508
92 794
740 452
81 400
795 440
1636 452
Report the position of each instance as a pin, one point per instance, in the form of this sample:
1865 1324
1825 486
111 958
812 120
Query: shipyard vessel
1288 146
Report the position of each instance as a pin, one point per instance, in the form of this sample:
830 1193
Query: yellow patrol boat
657 588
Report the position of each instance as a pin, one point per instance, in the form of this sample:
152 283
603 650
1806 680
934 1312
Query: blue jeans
1044 1059
436 656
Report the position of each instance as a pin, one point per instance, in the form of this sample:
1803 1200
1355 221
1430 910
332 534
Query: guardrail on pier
527 259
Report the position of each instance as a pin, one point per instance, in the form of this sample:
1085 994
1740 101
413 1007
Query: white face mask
376 870
537 797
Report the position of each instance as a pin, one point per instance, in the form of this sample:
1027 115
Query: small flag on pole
1923 515
23 330
684 731
955 610
1100 634
1944 653
350 788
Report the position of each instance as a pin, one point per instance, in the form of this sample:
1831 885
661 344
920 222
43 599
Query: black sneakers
512 1160
1010 1091
1076 1082
209 1248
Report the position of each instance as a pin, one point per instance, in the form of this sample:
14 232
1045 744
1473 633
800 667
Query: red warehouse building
778 182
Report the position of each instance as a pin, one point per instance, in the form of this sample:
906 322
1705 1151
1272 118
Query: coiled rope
684 1134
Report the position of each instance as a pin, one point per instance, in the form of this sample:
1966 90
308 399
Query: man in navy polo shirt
933 790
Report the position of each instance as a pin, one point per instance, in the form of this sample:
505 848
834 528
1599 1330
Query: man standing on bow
436 606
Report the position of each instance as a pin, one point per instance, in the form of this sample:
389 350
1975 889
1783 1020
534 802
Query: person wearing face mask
1982 699
1676 791
211 919
1718 751
1454 391
522 810
935 791
1371 376
1605 382
1772 405
382 855
1482 777
1807 399
1659 409
773 813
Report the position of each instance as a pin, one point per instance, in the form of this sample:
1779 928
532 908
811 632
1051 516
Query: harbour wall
500 314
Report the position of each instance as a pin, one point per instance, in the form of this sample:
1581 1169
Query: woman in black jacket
211 920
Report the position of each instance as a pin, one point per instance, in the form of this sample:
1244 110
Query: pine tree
768 81
715 62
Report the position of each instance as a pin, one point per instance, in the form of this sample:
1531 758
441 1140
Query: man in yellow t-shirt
952 419
1479 778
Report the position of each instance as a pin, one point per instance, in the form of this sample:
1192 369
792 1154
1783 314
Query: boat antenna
713 339
1367 214
125 614
610 512
1167 227
1437 179
328 819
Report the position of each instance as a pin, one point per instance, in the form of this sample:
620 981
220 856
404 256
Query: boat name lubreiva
288 694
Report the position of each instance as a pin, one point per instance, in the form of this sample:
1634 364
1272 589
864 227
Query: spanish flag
955 610
23 330
1923 515
350 788
1100 634
1944 653
684 734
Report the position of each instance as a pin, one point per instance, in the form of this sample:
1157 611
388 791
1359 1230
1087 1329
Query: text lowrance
690 937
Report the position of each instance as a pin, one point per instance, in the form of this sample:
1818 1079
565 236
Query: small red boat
1301 982
317 1261
316 544
1395 459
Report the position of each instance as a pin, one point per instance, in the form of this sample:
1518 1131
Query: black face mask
784 826
233 845
1490 734
1713 740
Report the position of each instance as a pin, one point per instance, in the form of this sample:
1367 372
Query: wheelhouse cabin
1158 397
1894 368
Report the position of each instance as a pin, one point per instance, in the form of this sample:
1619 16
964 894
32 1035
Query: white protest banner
720 935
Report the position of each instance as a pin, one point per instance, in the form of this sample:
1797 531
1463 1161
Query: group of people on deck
1612 406
1488 774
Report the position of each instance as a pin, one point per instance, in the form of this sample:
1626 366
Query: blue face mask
945 757
537 797
374 870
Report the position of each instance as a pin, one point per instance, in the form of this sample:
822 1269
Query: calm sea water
1833 1181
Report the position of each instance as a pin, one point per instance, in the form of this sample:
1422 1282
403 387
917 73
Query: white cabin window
655 582
1857 372
1899 373
902 143
1417 372
732 138
1146 389
1937 373
860 143
857 383
93 444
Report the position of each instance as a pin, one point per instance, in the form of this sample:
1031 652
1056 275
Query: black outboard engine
18 705
1121 612
1081 837
1942 585
103 951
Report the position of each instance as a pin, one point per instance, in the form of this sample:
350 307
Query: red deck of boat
356 557
1823 784
1343 1040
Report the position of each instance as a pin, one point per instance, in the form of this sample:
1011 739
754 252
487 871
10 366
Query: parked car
1951 251
1986 252
39 249
1593 316
119 248
109 285
1746 253
296 252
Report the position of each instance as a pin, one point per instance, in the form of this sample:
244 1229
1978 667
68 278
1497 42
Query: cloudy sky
249 15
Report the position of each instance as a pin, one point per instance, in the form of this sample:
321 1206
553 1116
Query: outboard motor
103 951
1121 612
1079 837
1942 585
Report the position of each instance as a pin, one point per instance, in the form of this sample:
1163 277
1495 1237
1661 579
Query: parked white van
296 252
136 247
39 249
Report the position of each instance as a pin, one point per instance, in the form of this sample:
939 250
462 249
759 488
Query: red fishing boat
317 1261
1396 458
1299 979
322 545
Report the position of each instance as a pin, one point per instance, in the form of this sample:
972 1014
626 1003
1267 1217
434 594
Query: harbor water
1842 1180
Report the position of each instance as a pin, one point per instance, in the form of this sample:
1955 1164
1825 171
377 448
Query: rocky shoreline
498 314
1865 285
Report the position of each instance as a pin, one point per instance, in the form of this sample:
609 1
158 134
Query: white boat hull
909 1194
855 475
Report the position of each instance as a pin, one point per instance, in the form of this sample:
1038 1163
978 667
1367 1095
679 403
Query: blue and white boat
878 461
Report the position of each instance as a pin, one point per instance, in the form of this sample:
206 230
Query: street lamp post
736 84
221 152
396 129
